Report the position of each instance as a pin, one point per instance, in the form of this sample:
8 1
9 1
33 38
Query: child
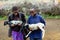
16 35
34 19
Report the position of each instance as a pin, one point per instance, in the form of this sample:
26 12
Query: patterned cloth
17 35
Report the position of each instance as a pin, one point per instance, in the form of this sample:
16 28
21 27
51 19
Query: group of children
32 19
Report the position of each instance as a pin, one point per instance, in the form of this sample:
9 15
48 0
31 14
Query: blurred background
49 9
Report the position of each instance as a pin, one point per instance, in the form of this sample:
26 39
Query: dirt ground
52 30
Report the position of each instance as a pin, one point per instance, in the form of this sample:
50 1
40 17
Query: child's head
32 12
15 10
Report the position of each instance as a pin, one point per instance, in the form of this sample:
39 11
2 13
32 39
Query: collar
16 15
34 16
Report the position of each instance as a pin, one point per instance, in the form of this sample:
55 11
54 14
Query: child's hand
30 29
19 24
12 25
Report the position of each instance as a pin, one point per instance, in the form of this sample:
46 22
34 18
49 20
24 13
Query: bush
3 17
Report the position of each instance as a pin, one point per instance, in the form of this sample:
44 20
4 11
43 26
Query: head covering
14 8
32 9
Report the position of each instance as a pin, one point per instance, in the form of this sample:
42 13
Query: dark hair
14 8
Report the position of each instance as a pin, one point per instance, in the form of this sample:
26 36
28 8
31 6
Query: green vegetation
51 17
44 16
3 18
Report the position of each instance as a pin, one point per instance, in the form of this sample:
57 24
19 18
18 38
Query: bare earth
52 30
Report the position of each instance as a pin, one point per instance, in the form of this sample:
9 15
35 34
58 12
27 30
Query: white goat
35 27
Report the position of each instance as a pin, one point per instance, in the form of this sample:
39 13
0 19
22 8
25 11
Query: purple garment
17 35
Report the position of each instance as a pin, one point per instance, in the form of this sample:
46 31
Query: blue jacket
33 20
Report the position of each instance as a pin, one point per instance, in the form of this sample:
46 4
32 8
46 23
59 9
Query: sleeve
9 19
23 18
28 21
42 21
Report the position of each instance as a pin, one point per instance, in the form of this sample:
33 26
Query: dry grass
52 30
